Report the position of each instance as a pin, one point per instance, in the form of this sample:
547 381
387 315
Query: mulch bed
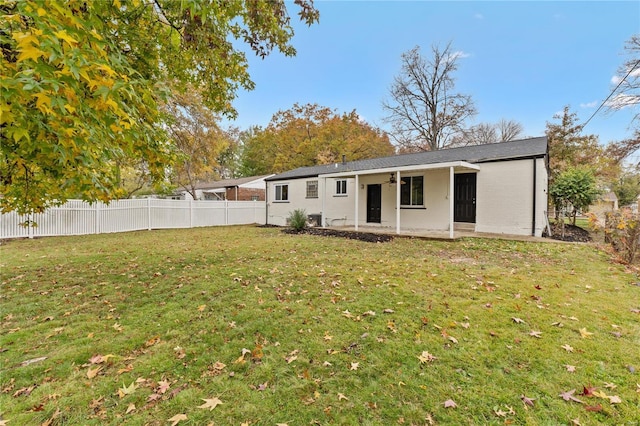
571 233
360 236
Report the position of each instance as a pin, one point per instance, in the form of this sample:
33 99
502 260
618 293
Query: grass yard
246 325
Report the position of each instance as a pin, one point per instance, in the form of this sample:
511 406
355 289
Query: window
255 198
282 192
341 187
411 191
312 189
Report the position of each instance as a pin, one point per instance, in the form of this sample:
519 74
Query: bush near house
298 219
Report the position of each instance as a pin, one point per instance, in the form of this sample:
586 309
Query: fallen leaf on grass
127 390
177 419
567 348
341 397
425 357
99 359
163 386
535 333
32 361
588 391
450 403
130 408
570 368
594 408
354 366
527 400
585 334
93 372
50 421
615 399
210 403
610 385
517 320
568 396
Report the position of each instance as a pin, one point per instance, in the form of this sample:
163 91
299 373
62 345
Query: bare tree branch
423 113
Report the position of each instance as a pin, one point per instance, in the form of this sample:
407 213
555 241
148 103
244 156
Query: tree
82 81
198 138
626 94
575 187
570 149
307 135
483 133
627 187
423 109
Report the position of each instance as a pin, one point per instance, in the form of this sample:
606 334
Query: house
494 188
242 189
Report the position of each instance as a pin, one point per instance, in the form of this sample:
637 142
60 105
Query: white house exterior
495 188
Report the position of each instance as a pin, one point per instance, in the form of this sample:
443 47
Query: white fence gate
77 217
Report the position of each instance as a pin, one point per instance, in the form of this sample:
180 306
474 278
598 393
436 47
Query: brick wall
245 194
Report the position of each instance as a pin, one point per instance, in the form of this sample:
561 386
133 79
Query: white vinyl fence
77 217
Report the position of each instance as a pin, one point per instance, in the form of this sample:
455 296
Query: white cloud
458 54
589 104
616 79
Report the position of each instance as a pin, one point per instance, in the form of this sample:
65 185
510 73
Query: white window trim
412 206
275 193
346 190
317 189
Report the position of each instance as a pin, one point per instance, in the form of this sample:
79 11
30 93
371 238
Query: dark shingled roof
524 148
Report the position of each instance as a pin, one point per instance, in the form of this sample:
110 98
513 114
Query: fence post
30 225
190 213
226 212
149 214
97 224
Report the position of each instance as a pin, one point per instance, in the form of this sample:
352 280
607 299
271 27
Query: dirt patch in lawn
571 233
360 236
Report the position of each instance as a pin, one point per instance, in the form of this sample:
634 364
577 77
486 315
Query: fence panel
77 217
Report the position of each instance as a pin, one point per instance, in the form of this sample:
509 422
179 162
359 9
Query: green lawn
142 328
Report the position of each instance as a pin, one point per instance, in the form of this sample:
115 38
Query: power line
612 92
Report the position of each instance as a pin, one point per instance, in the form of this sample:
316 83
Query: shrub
622 231
298 219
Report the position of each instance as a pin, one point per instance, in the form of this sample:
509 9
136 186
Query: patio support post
357 191
398 184
451 197
324 196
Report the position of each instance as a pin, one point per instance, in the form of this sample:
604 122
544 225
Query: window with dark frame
412 191
282 192
312 189
341 187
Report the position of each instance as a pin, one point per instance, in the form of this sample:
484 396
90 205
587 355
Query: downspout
266 203
533 219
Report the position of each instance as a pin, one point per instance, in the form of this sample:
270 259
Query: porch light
392 179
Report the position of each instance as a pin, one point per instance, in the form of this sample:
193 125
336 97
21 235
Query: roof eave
456 164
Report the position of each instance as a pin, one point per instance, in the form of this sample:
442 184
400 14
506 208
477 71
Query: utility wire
612 92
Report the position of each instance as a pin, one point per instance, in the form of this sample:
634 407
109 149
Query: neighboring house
607 202
496 188
242 189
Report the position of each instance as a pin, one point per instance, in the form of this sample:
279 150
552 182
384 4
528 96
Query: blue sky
522 61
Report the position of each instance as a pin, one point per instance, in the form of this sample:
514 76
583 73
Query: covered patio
394 176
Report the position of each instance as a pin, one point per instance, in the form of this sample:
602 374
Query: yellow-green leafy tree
308 135
199 140
82 81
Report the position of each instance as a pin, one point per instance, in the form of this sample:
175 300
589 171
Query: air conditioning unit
314 219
